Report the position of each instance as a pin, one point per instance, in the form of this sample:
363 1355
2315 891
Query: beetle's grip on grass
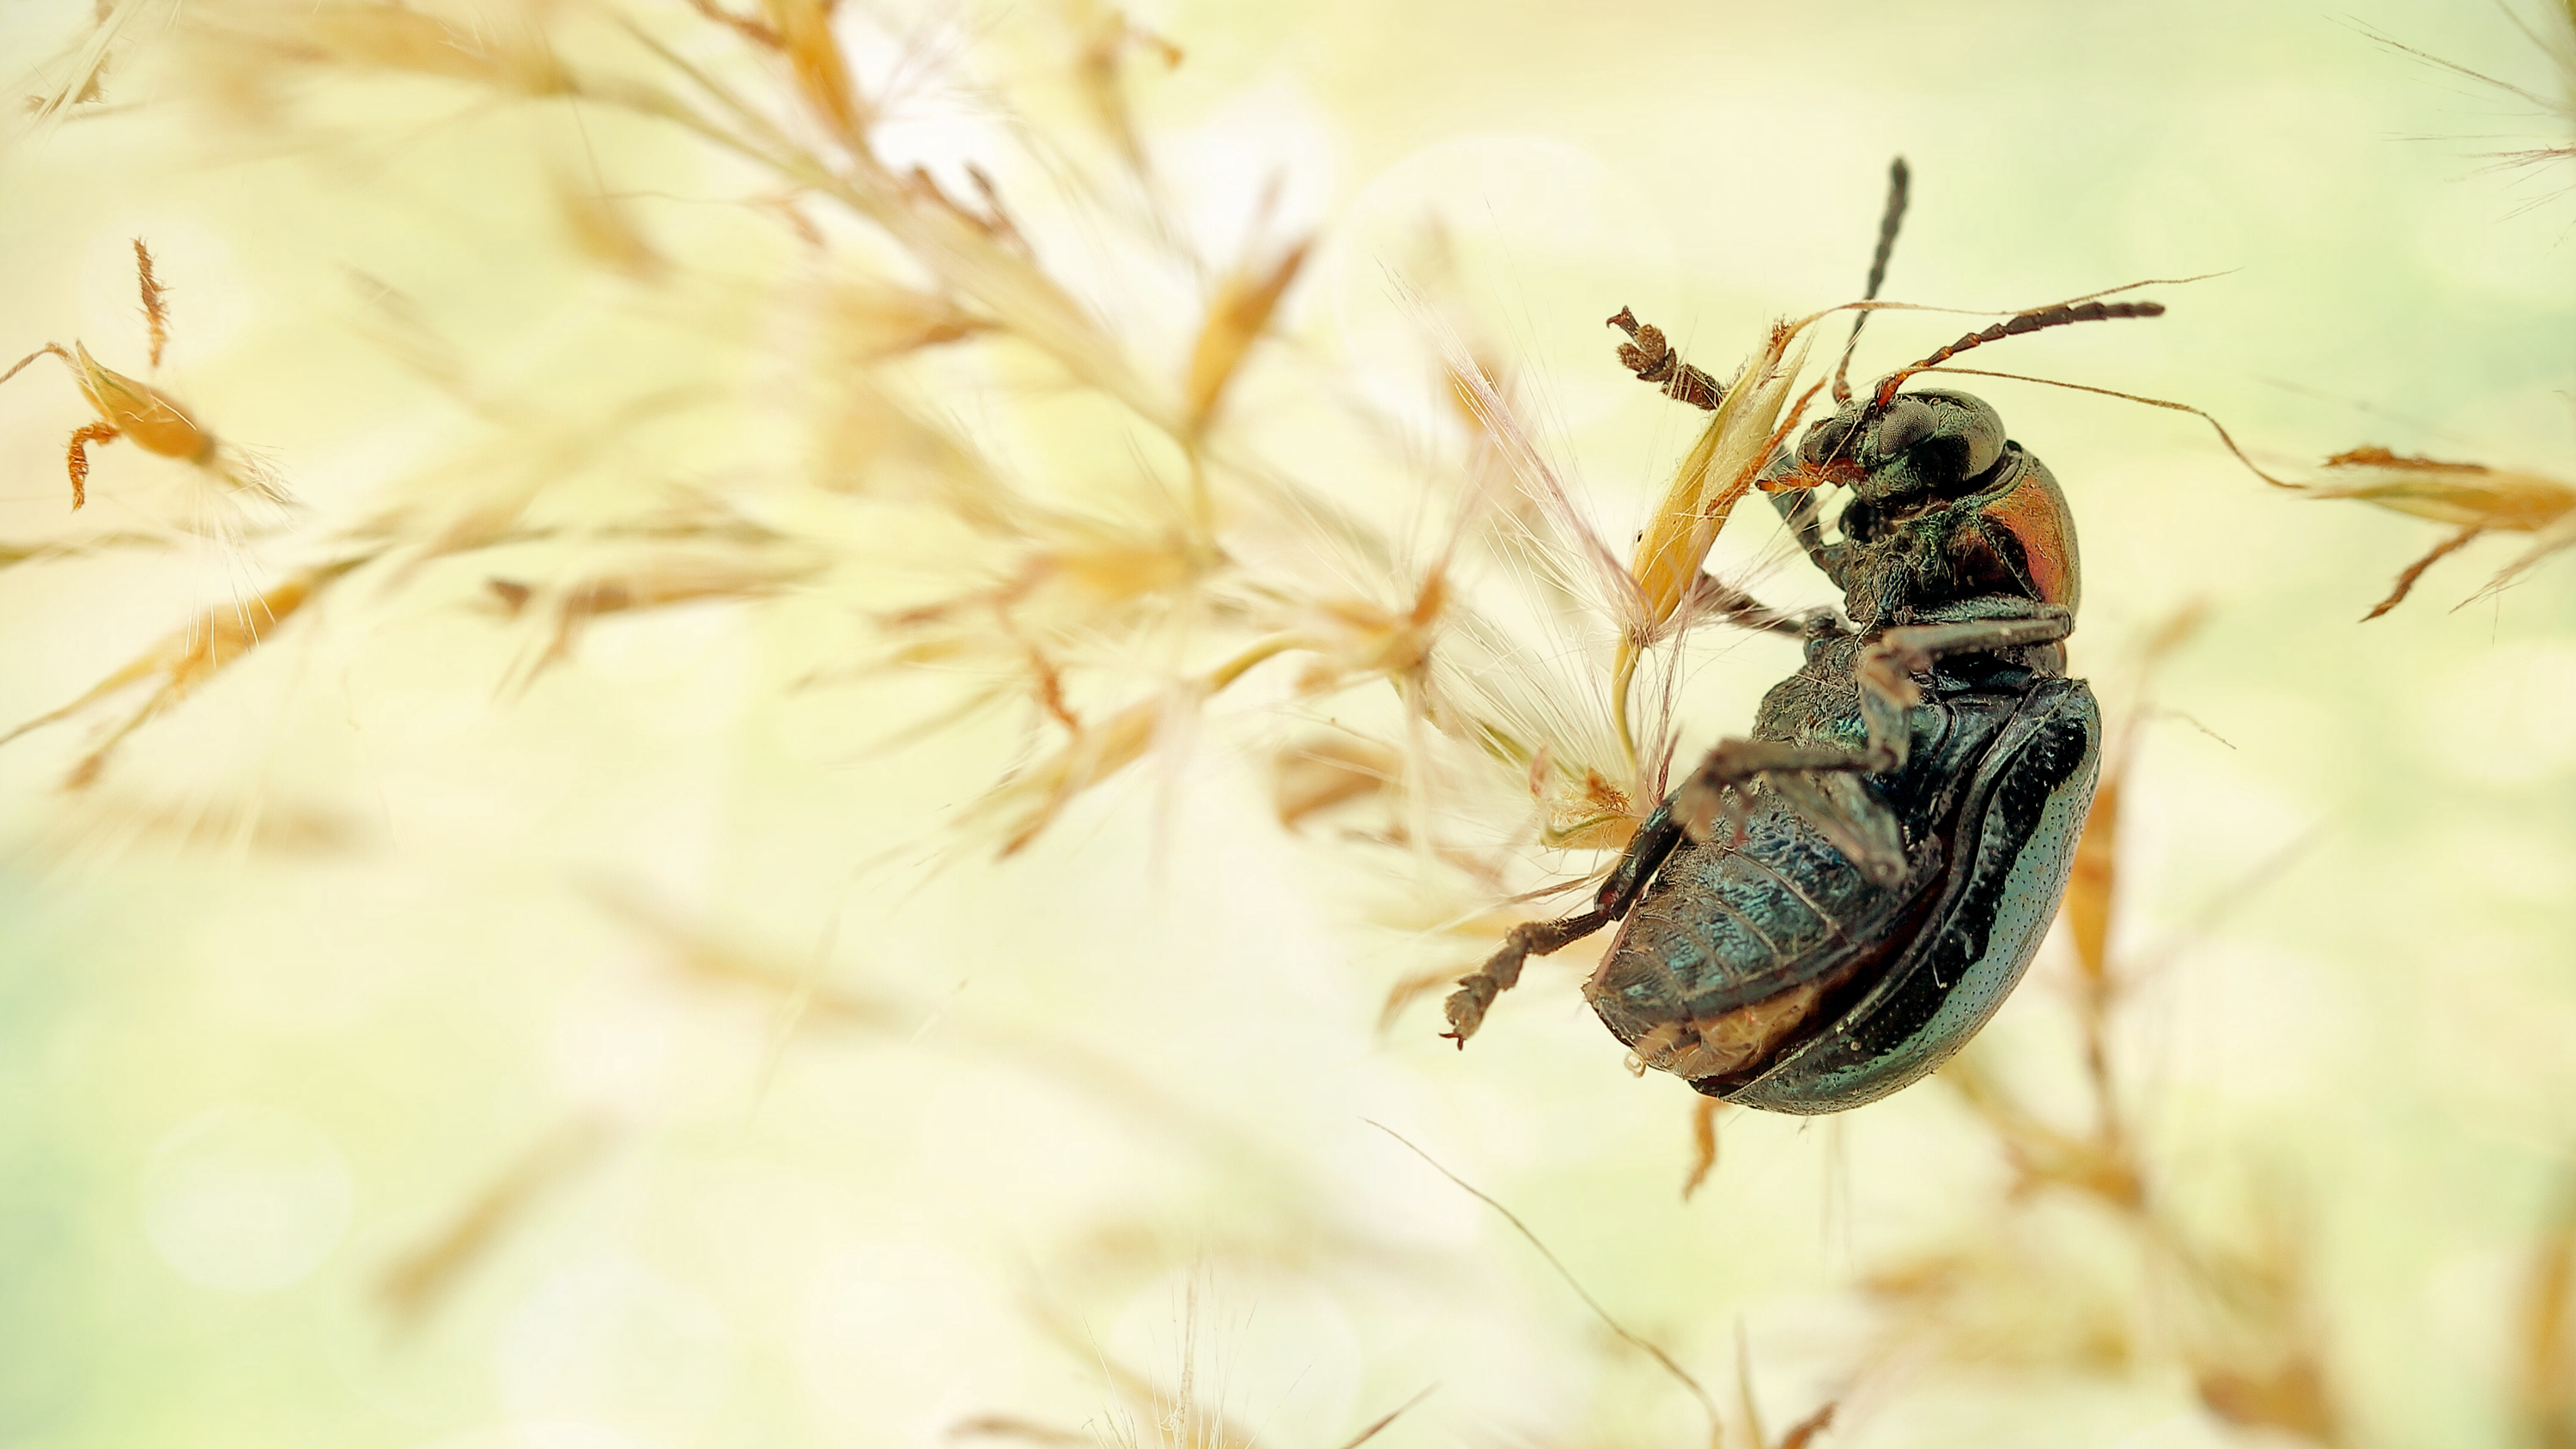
1477 990
1647 849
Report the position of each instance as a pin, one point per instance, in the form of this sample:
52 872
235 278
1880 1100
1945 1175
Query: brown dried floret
1236 317
185 660
139 412
656 581
1317 774
2472 497
425 1275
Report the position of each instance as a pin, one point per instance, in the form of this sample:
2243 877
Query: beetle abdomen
1733 944
1772 972
2014 843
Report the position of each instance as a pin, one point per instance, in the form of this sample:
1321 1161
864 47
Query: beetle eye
1952 439
1908 422
1982 431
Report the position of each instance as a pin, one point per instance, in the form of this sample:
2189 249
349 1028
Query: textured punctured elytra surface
2014 847
1741 953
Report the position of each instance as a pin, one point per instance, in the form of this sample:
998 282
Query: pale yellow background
1136 1063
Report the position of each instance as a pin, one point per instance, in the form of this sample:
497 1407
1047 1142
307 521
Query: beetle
1826 910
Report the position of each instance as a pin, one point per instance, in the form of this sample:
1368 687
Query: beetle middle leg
1884 674
1655 839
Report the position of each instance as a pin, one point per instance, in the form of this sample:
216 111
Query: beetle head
1944 505
1922 447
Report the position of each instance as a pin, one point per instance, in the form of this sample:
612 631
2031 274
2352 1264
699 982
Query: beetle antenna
2037 319
2154 402
1899 182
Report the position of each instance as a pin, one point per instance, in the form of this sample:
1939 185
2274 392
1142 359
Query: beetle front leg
1744 611
1884 673
1655 839
1799 509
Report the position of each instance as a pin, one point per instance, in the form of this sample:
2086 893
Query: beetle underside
1722 1050
1739 1044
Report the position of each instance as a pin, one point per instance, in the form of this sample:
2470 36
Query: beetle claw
1476 991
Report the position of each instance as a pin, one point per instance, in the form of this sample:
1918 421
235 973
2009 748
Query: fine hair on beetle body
1823 910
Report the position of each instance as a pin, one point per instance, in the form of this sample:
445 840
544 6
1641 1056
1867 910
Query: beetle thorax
1945 510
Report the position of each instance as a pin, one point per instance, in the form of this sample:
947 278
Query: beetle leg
1655 839
1798 509
1885 674
1744 611
1843 811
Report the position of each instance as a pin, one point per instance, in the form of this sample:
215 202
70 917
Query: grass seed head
184 661
501 47
1715 475
2472 497
142 414
1236 317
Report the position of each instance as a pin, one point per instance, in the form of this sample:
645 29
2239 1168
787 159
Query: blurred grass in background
549 980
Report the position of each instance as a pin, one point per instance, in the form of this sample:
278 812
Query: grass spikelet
1742 431
498 47
142 414
87 65
1236 318
422 1278
1027 802
2543 1338
657 580
870 321
156 311
185 661
1315 775
804 31
1704 1114
703 959
228 828
1104 39
1714 476
2471 497
602 228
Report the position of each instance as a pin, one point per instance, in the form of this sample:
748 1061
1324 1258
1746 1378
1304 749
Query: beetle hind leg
1655 839
1476 991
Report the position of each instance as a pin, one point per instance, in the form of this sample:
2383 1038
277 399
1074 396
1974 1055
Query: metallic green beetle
1825 911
